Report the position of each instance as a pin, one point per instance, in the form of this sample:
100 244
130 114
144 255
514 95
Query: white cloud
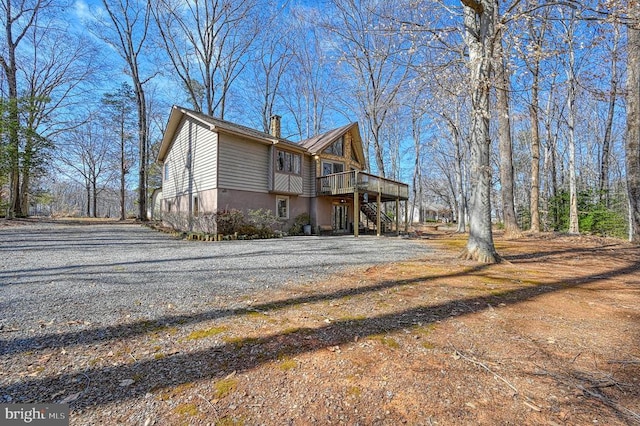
84 12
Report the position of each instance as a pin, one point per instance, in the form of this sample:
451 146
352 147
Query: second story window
336 148
330 167
288 162
166 171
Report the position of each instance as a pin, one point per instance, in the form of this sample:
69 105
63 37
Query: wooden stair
370 210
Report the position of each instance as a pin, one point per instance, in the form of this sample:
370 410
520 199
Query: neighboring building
431 212
210 164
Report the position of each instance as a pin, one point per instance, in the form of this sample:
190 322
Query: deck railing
347 182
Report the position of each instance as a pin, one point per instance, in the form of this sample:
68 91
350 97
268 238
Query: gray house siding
191 162
244 164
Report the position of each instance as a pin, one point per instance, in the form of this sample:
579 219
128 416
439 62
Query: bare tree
86 157
453 122
537 29
53 74
632 145
479 36
127 30
207 42
269 65
502 84
308 90
613 94
17 21
118 108
376 63
569 27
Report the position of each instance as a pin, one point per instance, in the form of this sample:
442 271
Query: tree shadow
99 385
122 331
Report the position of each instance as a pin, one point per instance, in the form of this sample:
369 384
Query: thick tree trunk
512 230
632 145
479 36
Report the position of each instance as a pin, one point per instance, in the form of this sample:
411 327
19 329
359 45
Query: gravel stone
57 276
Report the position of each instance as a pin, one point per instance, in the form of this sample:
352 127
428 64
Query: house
210 164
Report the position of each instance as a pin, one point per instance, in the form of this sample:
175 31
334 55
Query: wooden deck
362 183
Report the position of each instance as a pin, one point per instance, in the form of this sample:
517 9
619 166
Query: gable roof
214 124
319 143
311 146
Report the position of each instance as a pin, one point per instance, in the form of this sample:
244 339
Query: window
169 204
288 162
329 168
166 171
337 148
196 206
353 154
282 207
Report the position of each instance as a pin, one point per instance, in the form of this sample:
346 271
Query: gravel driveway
55 275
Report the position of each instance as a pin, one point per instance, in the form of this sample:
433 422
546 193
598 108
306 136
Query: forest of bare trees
523 114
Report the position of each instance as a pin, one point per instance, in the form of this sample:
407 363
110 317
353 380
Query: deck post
356 207
397 216
379 212
406 216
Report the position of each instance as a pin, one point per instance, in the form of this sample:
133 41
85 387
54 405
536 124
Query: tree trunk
123 168
512 230
130 42
632 145
10 70
24 191
24 18
550 163
142 129
478 36
571 121
87 187
606 141
534 202
417 169
458 189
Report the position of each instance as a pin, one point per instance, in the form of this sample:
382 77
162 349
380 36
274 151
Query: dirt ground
551 336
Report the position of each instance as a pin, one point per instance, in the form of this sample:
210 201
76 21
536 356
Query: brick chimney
275 126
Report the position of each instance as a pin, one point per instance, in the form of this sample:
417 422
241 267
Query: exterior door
340 218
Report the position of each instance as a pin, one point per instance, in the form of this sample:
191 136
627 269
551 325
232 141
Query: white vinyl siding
244 165
193 155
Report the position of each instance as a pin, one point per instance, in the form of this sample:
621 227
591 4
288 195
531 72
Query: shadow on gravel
101 384
94 335
100 334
